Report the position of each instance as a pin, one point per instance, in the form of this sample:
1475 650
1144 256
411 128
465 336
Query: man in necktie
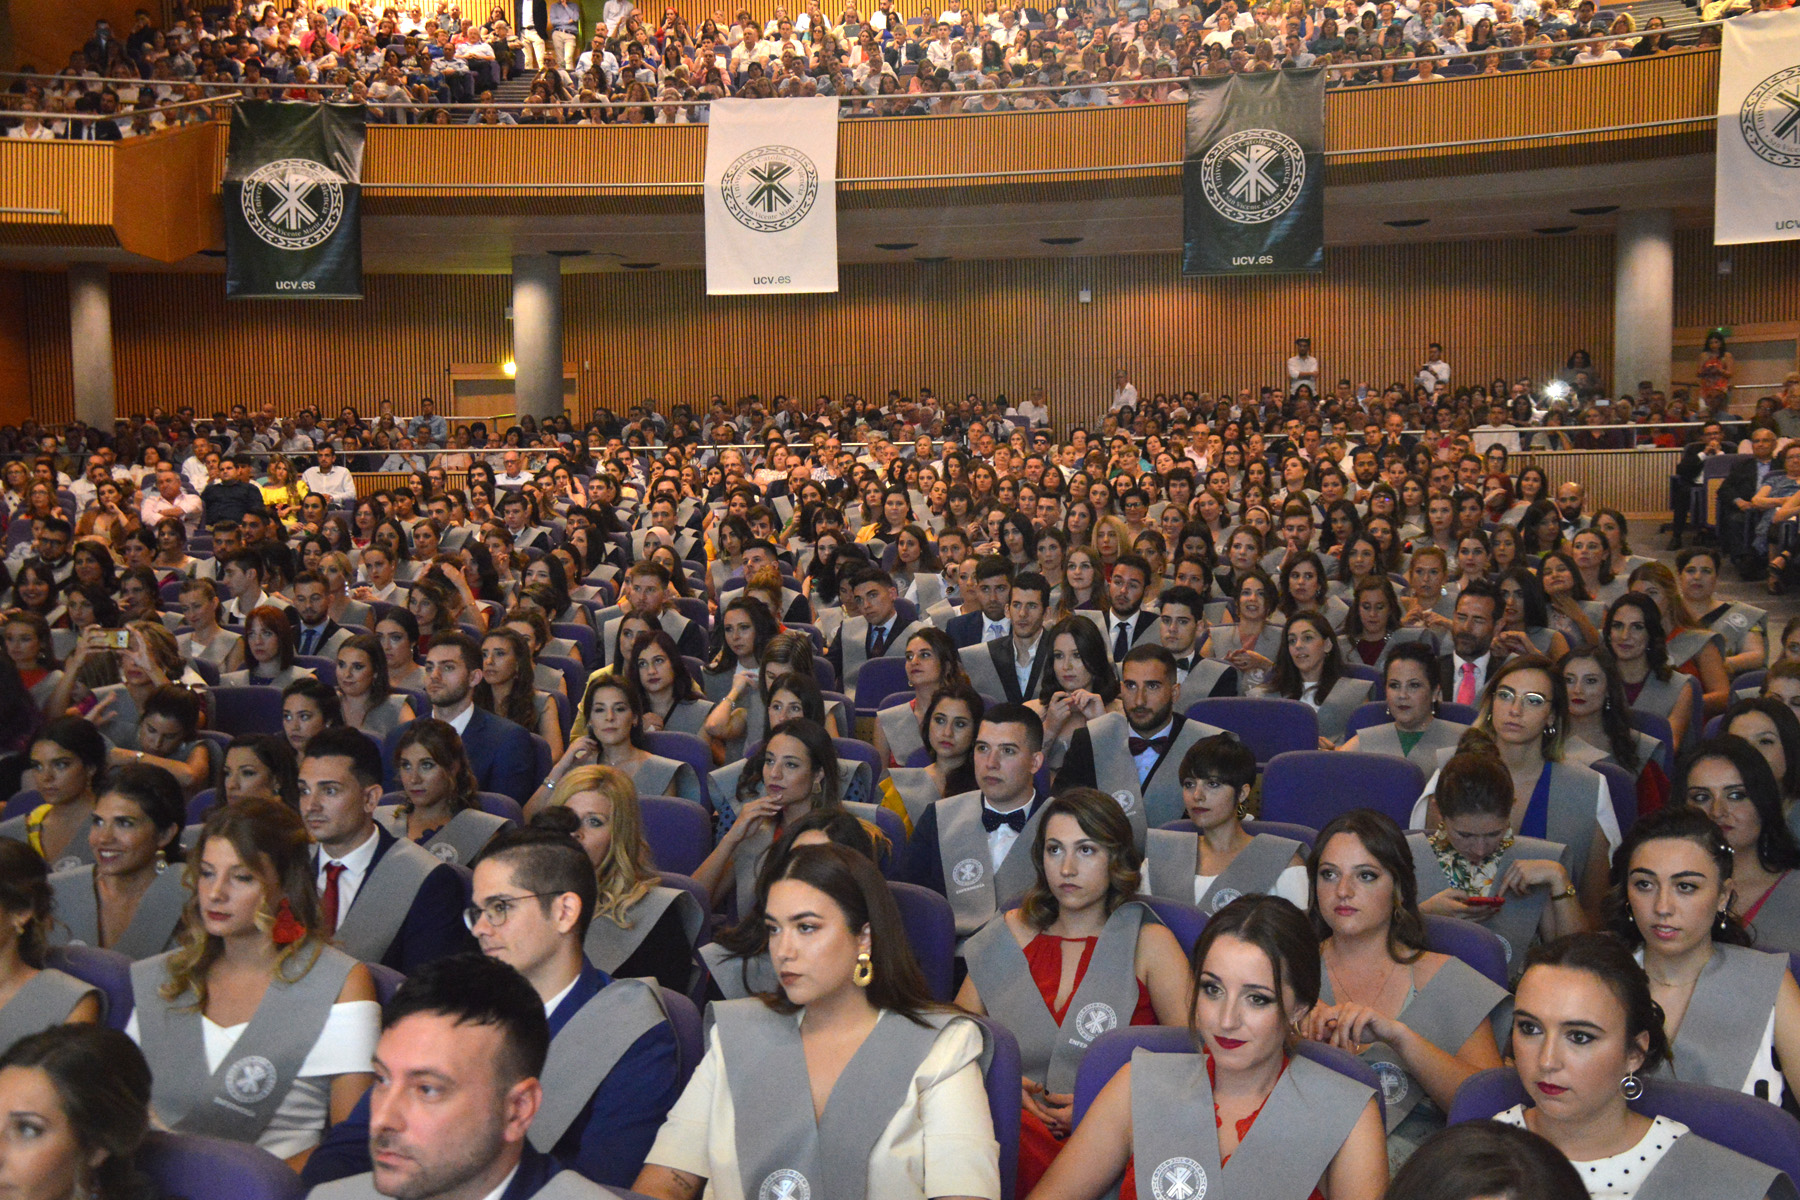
993 588
1130 577
1008 668
320 636
876 631
1465 671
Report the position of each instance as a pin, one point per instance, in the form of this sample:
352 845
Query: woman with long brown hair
440 809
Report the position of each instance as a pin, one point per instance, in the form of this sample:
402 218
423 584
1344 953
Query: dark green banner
1254 182
293 201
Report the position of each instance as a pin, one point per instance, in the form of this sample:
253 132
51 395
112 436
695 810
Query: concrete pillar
537 334
90 343
1643 299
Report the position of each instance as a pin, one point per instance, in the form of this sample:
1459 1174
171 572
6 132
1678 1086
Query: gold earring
864 973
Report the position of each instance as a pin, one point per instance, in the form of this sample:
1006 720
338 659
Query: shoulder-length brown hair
1383 840
1104 822
271 841
441 742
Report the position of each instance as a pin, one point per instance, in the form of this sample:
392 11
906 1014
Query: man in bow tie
1124 757
975 848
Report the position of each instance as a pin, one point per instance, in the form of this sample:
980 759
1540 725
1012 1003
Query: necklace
1465 875
1343 994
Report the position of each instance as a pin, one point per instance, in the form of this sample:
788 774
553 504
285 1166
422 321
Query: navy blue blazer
434 927
607 1142
968 629
922 864
500 752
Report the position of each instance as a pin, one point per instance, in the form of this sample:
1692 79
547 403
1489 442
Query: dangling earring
864 973
1550 730
1631 1087
1723 924
162 862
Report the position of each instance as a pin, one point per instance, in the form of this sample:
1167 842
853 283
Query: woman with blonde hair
339 574
284 489
1111 538
640 927
254 944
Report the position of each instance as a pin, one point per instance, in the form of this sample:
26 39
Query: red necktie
328 903
1465 688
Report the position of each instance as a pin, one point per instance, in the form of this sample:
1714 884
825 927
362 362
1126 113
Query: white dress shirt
357 865
1024 659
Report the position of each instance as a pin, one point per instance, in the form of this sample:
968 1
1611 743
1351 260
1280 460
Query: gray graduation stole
1723 1027
1175 1139
153 926
659 776
783 1154
1516 922
1694 1166
1689 642
383 901
855 635
45 1001
738 978
1105 999
608 944
1174 857
984 674
931 589
1778 920
1200 682
461 839
717 684
971 884
1385 739
586 1050
1445 1012
76 854
747 863
1334 710
918 790
566 1185
1660 696
1156 801
236 1101
689 716
900 726
1735 625
1571 821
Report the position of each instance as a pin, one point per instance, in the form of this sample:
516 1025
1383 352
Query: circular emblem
67 862
1739 620
1126 800
293 203
1253 176
1505 945
250 1079
1770 118
1224 896
785 1184
770 189
1393 1081
445 851
968 872
1095 1019
1178 1179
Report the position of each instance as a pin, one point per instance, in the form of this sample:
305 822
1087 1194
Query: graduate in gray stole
1721 1033
974 887
46 999
1148 802
900 726
1173 856
153 926
1519 921
1175 1142
460 840
1439 735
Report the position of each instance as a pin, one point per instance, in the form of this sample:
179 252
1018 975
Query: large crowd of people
410 61
421 811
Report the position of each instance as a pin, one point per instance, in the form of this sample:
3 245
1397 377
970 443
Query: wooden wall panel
1764 283
47 328
15 350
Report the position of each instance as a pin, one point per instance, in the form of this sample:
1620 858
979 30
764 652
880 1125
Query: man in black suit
1738 517
500 752
1686 479
1010 667
1463 674
993 586
411 903
1128 625
316 634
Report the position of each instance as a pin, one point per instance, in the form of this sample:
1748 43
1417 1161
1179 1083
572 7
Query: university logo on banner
1757 187
293 201
1253 184
771 196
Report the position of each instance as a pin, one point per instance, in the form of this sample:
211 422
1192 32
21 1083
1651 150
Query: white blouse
346 1046
939 1143
1290 885
1618 1177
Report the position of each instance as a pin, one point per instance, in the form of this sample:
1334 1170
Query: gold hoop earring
864 974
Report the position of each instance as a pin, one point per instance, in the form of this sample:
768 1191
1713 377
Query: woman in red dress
1076 916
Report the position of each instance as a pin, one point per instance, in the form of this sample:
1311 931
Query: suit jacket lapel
1006 665
1174 732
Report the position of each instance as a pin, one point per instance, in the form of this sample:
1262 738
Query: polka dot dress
1618 1177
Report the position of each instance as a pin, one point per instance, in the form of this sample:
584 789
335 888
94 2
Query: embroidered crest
250 1080
1178 1179
445 851
785 1184
1095 1019
1393 1081
67 862
1737 620
1224 896
1126 800
967 873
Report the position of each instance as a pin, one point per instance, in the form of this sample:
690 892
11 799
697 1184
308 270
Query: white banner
1757 193
771 196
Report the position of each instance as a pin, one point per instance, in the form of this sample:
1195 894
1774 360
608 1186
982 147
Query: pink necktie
1465 688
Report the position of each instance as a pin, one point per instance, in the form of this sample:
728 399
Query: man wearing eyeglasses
611 1074
387 900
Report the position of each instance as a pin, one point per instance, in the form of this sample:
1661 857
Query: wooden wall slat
1764 283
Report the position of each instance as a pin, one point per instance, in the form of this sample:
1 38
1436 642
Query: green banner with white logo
1253 185
293 201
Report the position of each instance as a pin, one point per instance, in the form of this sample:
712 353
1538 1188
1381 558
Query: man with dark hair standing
463 1043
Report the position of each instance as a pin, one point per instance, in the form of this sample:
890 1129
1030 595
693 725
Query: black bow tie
1158 744
991 820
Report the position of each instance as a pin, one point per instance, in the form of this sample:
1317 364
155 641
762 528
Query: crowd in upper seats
432 805
407 61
